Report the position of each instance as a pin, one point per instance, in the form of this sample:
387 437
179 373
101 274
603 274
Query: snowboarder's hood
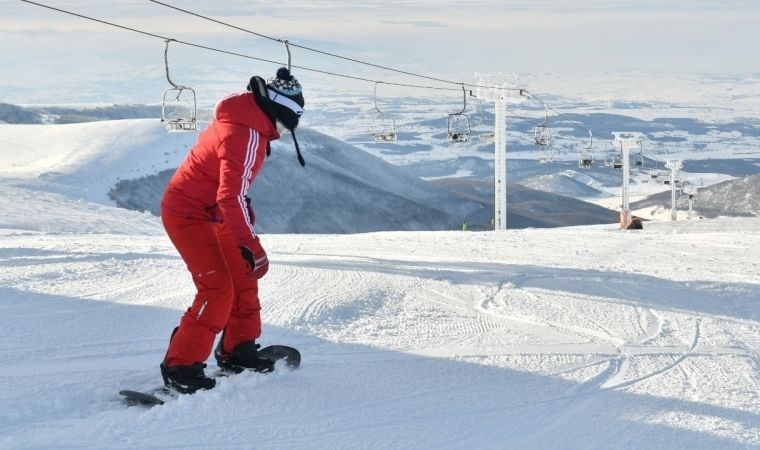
241 109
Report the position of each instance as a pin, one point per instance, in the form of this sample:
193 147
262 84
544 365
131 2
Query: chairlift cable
558 114
326 53
205 47
303 47
521 91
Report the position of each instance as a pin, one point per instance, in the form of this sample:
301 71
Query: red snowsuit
206 217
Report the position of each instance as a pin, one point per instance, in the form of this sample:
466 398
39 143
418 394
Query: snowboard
161 394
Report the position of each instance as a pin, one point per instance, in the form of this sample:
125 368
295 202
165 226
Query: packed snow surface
583 337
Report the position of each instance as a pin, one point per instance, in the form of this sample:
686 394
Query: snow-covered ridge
86 160
341 190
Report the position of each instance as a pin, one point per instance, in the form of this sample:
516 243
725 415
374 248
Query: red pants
227 297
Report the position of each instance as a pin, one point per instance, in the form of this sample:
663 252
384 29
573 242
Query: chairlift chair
665 176
614 157
383 124
180 113
617 161
654 173
586 159
459 128
638 160
384 128
542 135
458 123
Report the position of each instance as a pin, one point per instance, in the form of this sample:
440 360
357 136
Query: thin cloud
416 23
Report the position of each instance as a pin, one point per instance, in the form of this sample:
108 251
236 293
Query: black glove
247 255
257 270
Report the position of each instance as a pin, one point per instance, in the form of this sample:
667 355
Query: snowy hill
341 190
16 114
561 183
87 160
528 207
737 197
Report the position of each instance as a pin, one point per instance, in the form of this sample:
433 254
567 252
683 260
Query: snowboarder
210 220
636 224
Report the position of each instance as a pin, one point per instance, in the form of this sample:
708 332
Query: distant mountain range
15 114
738 197
341 180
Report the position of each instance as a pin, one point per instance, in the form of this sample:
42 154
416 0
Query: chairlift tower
674 165
627 141
498 94
691 191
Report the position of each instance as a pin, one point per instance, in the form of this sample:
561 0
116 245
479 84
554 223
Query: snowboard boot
245 356
186 379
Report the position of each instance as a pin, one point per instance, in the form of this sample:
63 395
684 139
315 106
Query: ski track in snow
389 320
426 349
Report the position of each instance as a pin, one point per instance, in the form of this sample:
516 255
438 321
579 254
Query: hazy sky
49 57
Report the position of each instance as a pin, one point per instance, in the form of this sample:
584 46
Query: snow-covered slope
583 337
577 337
